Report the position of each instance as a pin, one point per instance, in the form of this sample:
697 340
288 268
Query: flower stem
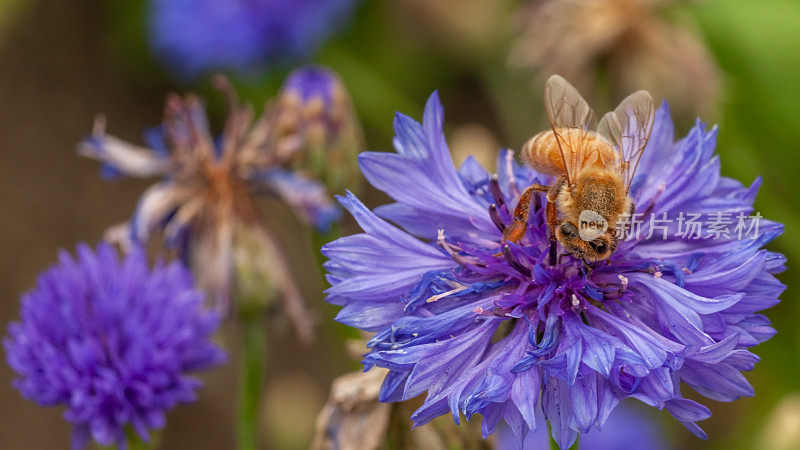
251 384
137 443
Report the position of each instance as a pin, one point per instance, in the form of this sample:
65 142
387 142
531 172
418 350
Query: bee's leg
552 218
523 209
629 225
516 230
586 265
555 189
552 215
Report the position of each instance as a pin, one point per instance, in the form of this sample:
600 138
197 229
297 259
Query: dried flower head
468 29
206 202
493 328
112 340
353 417
626 42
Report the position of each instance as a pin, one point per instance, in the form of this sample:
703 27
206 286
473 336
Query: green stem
137 443
253 371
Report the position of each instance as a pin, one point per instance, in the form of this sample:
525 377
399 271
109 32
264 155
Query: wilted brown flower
782 426
467 27
626 42
353 418
206 203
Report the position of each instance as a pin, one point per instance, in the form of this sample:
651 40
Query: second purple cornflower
114 341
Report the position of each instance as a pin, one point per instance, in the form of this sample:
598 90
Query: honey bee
593 170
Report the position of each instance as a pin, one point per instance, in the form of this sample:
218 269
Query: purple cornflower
206 202
493 329
113 340
193 37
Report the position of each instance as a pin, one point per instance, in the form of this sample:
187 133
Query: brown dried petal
353 418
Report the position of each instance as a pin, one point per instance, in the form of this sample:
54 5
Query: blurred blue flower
206 202
627 428
314 83
113 340
496 330
192 37
314 104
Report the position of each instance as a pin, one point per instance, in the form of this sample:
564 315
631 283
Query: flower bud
315 109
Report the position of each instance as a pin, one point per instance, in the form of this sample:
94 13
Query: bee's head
596 249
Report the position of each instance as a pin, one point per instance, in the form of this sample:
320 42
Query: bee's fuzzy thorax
598 189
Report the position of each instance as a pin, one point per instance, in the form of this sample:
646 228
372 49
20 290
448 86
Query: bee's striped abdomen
543 154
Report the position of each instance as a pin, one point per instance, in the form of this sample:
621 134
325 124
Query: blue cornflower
314 103
504 333
113 340
312 83
627 428
205 204
193 37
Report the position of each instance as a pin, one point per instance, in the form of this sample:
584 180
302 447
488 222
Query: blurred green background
62 62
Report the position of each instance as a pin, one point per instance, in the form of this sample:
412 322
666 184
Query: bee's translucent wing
627 128
572 121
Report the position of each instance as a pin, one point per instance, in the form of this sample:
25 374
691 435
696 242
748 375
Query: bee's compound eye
598 245
569 230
